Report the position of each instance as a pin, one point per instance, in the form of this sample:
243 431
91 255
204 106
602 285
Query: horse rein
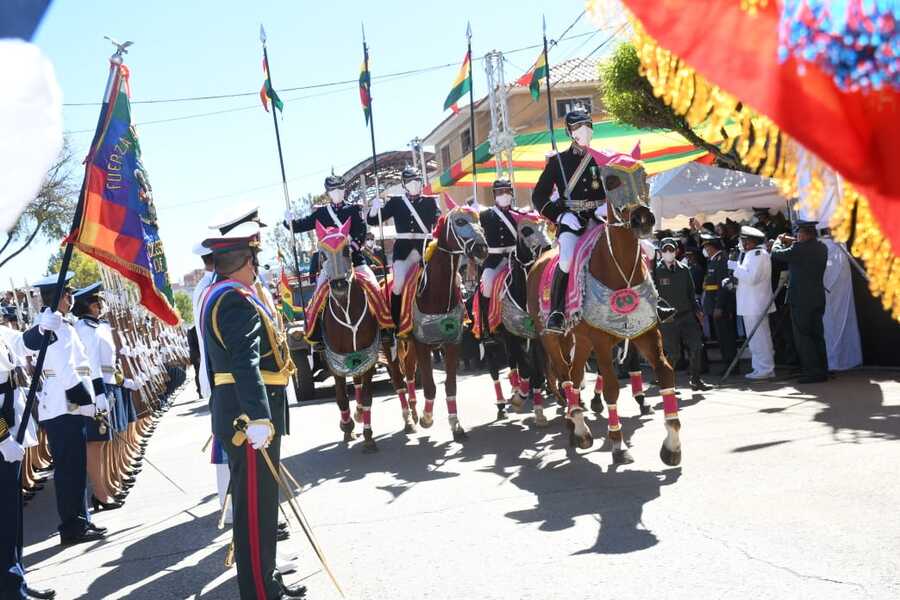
612 255
346 320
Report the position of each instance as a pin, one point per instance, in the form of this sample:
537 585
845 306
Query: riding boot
557 320
485 306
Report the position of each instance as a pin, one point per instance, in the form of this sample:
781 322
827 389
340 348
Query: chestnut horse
624 308
351 333
438 311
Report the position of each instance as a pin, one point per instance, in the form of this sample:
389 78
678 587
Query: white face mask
583 135
413 188
668 257
370 243
503 200
706 252
337 196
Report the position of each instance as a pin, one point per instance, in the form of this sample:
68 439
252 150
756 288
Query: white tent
694 189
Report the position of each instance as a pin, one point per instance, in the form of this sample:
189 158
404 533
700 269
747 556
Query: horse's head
628 195
531 228
462 233
334 246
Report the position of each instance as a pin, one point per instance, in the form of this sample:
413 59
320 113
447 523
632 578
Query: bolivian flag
268 92
288 308
365 97
534 77
461 85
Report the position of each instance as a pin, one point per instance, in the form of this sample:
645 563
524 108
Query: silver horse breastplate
516 321
354 363
625 313
444 328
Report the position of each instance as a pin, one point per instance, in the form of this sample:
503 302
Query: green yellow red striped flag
461 85
534 76
267 92
364 82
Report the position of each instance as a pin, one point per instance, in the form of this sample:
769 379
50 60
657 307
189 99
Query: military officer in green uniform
249 366
719 303
806 258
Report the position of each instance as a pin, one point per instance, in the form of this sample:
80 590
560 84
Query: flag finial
262 33
544 21
468 30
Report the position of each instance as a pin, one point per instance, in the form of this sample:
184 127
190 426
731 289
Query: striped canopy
661 150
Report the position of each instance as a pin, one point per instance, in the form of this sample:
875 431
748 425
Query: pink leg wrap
572 397
367 417
429 405
345 416
637 383
598 385
498 392
514 378
451 405
411 391
538 398
670 403
524 386
403 403
614 424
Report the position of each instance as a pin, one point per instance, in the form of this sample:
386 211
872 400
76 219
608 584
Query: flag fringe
768 151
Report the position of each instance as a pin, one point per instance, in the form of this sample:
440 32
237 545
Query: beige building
575 81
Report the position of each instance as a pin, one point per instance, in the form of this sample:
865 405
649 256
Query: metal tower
501 137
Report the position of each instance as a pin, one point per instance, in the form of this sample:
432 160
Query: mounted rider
499 226
576 177
334 214
415 216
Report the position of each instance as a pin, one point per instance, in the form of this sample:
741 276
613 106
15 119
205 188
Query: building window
445 157
564 105
465 140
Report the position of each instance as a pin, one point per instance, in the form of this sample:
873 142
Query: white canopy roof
694 189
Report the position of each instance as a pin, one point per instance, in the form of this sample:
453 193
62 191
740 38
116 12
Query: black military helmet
410 174
334 182
577 116
668 242
501 184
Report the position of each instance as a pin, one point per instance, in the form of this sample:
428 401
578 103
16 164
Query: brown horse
438 311
351 333
619 303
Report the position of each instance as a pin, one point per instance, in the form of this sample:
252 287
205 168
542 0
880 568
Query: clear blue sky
197 166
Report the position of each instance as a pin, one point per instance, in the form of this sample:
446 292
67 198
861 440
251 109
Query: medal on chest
595 182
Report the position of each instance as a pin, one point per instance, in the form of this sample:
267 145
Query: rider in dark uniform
248 377
415 217
501 235
806 259
719 302
375 256
571 211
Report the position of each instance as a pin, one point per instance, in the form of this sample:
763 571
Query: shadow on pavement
857 408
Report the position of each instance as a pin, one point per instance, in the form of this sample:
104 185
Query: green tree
86 269
185 306
49 215
629 98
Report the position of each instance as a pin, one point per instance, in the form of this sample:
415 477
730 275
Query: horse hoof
369 447
501 413
540 420
646 409
597 404
516 401
671 458
414 414
586 442
622 457
349 436
409 428
426 421
460 435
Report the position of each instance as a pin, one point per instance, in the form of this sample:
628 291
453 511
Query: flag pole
284 185
372 137
562 169
115 62
472 114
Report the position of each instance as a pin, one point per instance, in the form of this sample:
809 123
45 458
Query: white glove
600 213
377 205
129 384
101 403
49 321
11 450
259 434
570 220
289 216
88 410
732 264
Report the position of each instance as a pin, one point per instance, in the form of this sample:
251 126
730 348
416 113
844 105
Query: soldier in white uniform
66 403
754 292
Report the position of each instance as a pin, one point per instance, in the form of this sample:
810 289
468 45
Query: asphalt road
783 492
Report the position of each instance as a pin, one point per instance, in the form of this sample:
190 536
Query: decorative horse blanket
443 328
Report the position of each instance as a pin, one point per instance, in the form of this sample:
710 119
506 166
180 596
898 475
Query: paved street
783 493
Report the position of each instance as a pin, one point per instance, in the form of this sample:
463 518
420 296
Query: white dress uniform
96 337
12 354
197 301
65 366
754 294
